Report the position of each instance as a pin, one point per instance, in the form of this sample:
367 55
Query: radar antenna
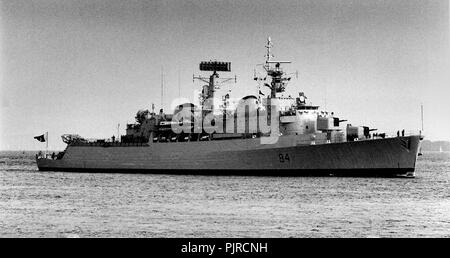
213 82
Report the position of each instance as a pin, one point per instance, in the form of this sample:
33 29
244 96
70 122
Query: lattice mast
279 80
214 82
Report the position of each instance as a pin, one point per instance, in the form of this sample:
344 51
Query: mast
213 82
118 132
46 144
179 84
421 115
278 81
162 87
269 49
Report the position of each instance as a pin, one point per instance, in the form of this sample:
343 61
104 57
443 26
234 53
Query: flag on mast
41 138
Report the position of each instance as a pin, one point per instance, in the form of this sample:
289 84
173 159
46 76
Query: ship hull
287 157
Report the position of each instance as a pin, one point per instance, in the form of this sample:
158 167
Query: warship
271 134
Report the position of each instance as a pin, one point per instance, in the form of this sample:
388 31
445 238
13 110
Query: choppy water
35 204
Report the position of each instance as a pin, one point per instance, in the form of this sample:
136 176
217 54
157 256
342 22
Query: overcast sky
85 66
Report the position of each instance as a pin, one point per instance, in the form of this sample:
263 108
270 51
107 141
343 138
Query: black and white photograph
224 119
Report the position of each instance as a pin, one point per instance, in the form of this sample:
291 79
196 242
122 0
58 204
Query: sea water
57 204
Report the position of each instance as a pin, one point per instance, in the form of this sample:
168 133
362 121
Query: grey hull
287 157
